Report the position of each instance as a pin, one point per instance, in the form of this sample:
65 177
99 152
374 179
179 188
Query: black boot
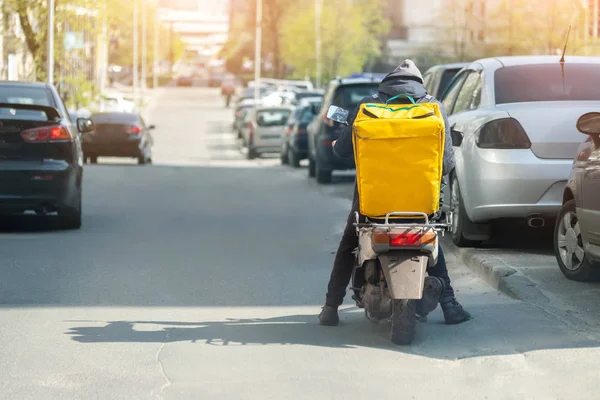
454 313
329 316
432 292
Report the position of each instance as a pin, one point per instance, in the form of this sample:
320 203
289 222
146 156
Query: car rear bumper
27 185
328 160
120 149
267 145
505 184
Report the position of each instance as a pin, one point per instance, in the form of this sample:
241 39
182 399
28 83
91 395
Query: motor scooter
390 280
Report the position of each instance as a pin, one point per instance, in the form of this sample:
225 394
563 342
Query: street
201 277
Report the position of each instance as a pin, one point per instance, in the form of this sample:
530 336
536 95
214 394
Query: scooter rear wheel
404 322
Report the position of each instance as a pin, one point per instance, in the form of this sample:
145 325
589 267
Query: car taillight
505 133
250 129
300 132
288 129
134 130
409 238
327 142
46 134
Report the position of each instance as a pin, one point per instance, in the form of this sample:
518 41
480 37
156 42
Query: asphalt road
200 277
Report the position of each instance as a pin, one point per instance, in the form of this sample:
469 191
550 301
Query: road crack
162 368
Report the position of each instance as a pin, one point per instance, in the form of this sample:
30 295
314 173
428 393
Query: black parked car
577 229
119 134
437 78
41 160
294 145
345 93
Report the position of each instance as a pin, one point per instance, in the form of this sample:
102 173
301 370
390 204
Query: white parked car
263 129
116 102
513 123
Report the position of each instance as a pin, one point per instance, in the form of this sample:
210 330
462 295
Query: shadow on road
496 330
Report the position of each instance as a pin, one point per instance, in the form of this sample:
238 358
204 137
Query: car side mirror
152 127
457 137
589 123
85 125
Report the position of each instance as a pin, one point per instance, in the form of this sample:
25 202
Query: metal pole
318 6
257 51
135 50
104 49
144 44
156 56
595 19
50 50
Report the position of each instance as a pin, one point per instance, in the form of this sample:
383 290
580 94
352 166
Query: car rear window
272 117
349 96
24 95
303 95
547 82
115 118
307 116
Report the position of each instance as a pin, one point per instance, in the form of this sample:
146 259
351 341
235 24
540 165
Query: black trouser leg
344 260
440 270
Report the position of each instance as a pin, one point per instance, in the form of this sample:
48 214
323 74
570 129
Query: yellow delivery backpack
398 151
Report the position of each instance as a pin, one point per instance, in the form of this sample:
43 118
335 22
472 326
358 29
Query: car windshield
545 82
349 96
24 95
272 117
115 118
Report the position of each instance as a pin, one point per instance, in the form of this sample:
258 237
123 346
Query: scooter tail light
409 238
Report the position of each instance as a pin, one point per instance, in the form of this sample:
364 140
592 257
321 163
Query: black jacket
392 85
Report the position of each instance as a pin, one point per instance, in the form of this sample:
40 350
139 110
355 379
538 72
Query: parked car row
507 115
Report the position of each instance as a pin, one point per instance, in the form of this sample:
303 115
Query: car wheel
312 171
70 218
459 218
252 154
569 247
284 155
293 159
323 175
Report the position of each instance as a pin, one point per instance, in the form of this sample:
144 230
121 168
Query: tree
473 29
33 19
351 33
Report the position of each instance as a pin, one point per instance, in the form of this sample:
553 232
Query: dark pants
345 261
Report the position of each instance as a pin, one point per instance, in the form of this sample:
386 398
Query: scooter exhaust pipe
536 222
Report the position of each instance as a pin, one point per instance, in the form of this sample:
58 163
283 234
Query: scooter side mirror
338 114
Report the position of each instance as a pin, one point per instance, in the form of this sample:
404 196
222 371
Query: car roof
278 107
304 101
448 66
355 81
116 113
509 61
24 84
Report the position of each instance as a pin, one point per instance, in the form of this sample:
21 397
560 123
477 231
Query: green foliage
350 35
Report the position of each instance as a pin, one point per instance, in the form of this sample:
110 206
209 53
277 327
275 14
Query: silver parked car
513 127
264 128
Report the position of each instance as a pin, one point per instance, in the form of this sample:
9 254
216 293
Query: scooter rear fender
404 272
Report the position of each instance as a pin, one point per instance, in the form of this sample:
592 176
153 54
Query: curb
496 273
